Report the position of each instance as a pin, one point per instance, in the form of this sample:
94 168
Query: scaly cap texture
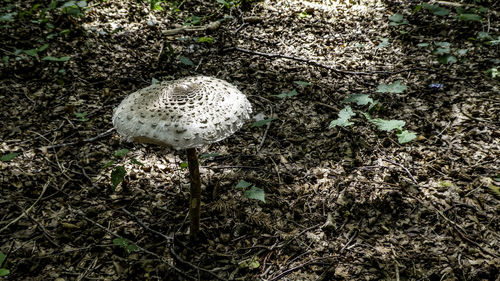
184 113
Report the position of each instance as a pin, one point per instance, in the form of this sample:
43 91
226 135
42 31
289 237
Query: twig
403 167
265 132
80 213
315 63
101 135
168 238
288 271
29 209
194 266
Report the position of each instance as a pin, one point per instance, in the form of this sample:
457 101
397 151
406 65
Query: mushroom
184 114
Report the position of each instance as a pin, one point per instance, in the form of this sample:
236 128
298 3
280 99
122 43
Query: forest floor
341 203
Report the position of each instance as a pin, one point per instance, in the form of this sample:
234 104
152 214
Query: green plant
119 172
251 191
126 244
228 4
9 156
3 271
345 115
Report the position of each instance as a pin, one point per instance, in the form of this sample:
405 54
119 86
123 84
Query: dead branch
99 136
29 209
188 29
315 63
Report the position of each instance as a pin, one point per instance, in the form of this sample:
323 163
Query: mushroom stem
195 197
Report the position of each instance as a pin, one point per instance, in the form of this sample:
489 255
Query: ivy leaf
435 9
255 193
243 184
121 152
9 156
447 59
359 99
49 58
117 176
287 94
406 136
186 61
261 123
344 115
394 88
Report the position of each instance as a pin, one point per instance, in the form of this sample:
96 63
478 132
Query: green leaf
108 164
61 59
8 17
154 81
135 161
447 59
435 9
243 184
125 244
441 51
359 99
209 40
396 17
43 47
388 125
394 88
302 83
469 17
406 136
494 190
117 176
121 152
186 61
462 51
9 156
2 258
383 43
261 123
81 116
255 193
4 272
443 44
283 95
344 115
483 36
184 165
422 45
31 52
209 155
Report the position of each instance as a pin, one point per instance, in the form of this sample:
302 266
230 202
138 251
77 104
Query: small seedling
261 123
126 244
81 116
251 191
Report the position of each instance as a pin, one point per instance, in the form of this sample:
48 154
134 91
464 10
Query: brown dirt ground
341 204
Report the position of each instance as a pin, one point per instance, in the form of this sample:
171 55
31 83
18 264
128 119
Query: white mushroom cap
184 113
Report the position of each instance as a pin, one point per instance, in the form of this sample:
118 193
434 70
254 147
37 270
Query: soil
341 203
